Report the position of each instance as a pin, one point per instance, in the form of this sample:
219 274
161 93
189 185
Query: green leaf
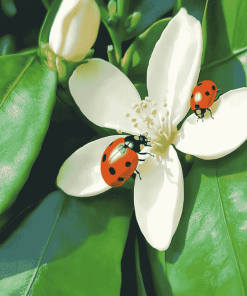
207 255
136 59
193 7
208 251
224 30
68 246
27 90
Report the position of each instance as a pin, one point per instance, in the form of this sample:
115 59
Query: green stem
117 29
112 55
118 49
129 53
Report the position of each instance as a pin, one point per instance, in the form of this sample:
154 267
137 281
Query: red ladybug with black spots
203 97
120 159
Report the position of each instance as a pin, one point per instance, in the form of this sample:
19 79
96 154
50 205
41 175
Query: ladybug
120 159
203 97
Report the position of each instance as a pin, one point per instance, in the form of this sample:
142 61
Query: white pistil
166 136
169 128
147 118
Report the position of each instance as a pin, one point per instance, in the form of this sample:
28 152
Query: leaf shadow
58 226
191 188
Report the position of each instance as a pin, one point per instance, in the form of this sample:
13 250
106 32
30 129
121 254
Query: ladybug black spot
112 171
213 87
120 179
104 158
199 84
127 164
111 143
197 106
191 96
207 93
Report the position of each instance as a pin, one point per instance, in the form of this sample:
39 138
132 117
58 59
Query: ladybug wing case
118 163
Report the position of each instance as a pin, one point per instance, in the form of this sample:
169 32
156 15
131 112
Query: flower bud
75 29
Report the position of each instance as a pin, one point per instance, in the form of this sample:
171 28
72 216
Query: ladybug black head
136 143
200 112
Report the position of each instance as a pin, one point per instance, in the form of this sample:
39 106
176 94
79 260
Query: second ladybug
120 159
203 96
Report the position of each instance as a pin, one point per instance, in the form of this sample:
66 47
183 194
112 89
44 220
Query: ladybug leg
145 153
141 159
137 172
210 112
217 98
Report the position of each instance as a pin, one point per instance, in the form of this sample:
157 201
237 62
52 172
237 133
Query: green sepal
27 90
57 63
47 24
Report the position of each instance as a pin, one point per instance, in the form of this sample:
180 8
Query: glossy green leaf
224 30
68 246
208 251
207 255
136 58
193 7
27 90
225 58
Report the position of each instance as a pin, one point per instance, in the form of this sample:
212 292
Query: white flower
75 29
108 98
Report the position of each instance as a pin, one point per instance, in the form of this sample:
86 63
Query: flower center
156 124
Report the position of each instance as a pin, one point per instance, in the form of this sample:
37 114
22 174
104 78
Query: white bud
75 29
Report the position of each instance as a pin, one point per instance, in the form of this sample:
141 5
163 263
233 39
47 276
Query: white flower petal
75 29
216 137
174 65
159 200
104 94
80 174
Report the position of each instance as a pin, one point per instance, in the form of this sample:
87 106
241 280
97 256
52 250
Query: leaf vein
235 53
45 248
228 232
17 80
